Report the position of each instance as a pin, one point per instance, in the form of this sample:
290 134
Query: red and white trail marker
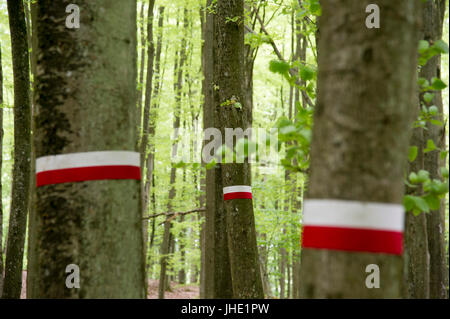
88 166
236 192
353 226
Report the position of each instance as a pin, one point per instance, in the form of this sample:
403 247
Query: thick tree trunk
22 151
433 18
361 133
93 224
229 80
217 272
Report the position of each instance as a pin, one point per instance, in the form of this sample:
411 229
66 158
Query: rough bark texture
146 163
417 258
217 273
229 82
433 17
96 224
22 151
362 122
32 277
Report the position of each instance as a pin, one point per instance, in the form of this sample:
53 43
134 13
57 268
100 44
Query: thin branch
168 214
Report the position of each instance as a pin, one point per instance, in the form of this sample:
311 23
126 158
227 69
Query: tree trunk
417 259
217 272
433 18
150 156
182 272
32 277
1 163
22 151
144 158
229 81
96 223
142 67
361 134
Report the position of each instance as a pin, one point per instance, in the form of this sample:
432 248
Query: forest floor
178 291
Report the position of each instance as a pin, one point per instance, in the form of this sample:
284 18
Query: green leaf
444 172
306 73
436 122
423 176
288 129
408 202
443 154
440 47
437 84
421 204
423 82
414 178
211 164
428 97
423 46
430 146
413 150
433 110
432 201
439 188
281 67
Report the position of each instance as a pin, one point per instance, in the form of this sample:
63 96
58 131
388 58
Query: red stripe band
80 174
237 195
353 239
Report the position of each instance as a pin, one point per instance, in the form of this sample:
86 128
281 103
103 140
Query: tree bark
217 272
417 258
362 121
142 66
95 224
32 277
433 18
22 151
229 81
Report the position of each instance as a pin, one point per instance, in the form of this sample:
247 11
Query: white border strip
353 214
237 189
87 159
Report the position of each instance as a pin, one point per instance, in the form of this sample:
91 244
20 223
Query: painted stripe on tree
353 226
87 166
237 192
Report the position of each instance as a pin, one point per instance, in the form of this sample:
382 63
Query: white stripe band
237 189
87 159
353 214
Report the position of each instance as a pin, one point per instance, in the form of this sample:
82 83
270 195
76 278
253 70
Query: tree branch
174 214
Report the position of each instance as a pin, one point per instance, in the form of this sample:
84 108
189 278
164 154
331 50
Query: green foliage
280 67
413 151
427 51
